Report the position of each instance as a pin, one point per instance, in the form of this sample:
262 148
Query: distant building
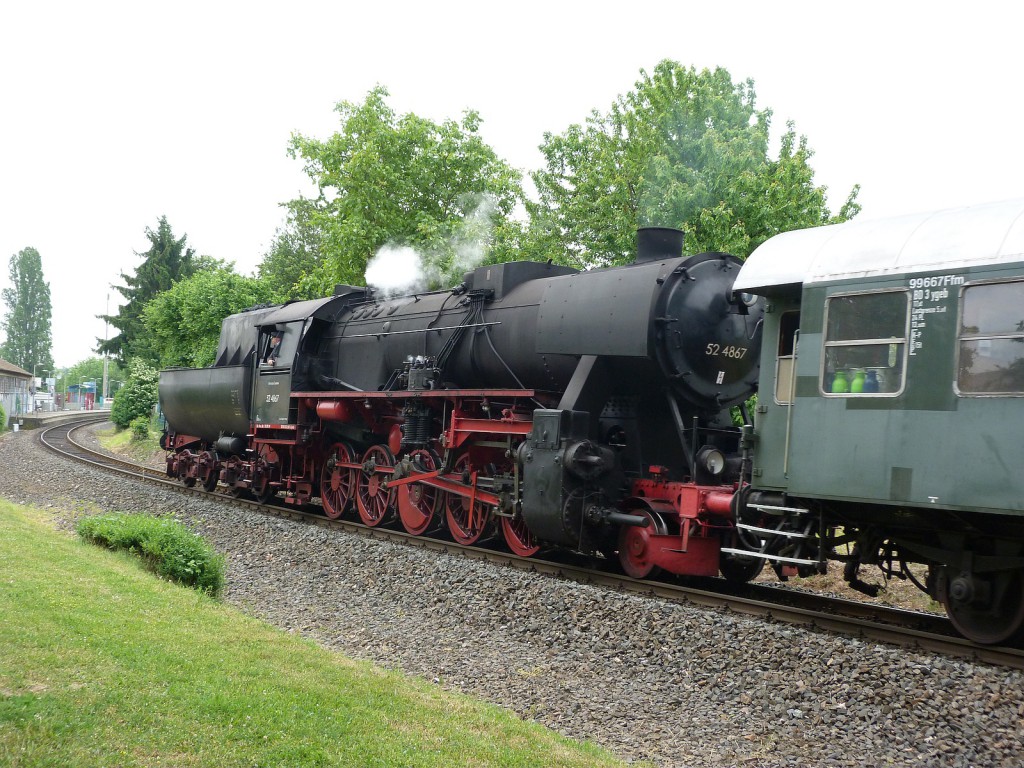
14 388
81 396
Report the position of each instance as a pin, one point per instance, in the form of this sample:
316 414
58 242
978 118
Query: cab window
991 340
277 348
865 344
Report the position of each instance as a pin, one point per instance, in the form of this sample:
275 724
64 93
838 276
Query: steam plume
398 269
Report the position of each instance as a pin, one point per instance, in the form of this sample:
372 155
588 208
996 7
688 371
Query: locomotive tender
591 410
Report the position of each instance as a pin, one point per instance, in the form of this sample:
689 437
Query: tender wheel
336 482
518 537
467 522
186 460
987 611
262 489
373 500
636 550
209 471
417 503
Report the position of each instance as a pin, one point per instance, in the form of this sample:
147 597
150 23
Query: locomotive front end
641 456
665 320
706 337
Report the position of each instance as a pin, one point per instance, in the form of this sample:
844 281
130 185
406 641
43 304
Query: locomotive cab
272 385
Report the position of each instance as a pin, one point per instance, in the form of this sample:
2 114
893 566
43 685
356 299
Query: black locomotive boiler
585 410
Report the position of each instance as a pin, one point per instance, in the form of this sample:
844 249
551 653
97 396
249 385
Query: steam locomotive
588 410
594 411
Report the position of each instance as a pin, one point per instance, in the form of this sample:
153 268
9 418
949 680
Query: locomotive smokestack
658 243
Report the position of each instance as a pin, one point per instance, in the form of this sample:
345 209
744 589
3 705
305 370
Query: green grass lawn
103 664
121 442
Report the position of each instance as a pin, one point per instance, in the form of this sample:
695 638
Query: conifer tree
167 260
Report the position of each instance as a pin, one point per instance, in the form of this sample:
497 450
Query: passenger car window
865 344
991 351
785 362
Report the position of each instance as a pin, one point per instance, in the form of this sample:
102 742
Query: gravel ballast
671 684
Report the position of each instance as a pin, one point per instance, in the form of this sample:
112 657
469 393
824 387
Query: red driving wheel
468 522
518 537
336 482
374 500
417 502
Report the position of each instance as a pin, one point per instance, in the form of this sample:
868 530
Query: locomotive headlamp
747 299
711 460
742 301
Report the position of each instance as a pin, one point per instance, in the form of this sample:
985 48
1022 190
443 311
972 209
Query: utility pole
106 355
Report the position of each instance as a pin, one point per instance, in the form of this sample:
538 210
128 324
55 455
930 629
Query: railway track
925 631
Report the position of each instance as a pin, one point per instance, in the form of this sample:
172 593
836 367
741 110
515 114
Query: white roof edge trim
955 238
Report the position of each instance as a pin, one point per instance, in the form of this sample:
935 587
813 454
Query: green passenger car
891 401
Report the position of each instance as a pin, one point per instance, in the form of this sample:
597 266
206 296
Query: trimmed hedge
165 545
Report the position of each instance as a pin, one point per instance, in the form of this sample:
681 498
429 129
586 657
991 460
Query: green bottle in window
840 383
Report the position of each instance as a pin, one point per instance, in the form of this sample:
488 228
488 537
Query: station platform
49 418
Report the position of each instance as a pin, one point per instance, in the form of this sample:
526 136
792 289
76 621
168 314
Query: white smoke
398 269
471 239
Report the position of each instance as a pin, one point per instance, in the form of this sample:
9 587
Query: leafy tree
396 179
137 397
183 323
685 149
292 261
167 260
27 322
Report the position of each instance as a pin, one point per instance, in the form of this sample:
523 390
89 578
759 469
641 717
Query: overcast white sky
115 113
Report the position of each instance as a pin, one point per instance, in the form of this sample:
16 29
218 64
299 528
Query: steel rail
909 629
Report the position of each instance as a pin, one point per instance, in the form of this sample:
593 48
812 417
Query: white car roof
924 242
